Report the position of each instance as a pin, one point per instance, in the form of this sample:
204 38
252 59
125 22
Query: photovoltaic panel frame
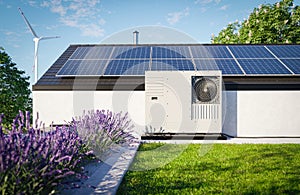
285 51
172 64
250 51
210 52
90 52
131 52
162 52
83 68
263 67
135 67
227 66
118 60
293 64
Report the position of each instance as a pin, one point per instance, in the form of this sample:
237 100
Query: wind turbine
36 40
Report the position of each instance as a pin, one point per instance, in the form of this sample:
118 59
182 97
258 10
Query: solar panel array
232 60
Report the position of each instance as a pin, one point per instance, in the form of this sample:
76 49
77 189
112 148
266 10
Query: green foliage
277 23
14 89
31 184
225 169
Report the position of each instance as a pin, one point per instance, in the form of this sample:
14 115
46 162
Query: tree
14 89
277 23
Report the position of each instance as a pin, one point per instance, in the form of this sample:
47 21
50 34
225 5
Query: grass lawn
214 169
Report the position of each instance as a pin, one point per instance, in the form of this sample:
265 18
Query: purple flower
50 156
101 129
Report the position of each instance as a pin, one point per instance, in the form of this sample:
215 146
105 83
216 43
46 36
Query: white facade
59 107
262 114
245 113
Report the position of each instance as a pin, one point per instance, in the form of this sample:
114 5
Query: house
261 83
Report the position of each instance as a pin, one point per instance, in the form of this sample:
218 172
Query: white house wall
268 113
245 113
52 106
60 106
262 114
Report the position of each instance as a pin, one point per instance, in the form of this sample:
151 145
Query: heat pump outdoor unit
184 101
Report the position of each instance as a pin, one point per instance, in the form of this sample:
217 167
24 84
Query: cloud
81 14
56 6
205 2
203 9
52 27
32 3
91 30
224 7
69 22
175 17
9 33
102 21
59 9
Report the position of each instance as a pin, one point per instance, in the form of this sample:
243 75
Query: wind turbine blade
55 37
28 24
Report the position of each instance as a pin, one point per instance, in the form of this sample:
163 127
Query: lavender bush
34 162
102 130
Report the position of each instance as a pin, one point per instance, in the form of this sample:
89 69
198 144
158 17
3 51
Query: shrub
34 162
103 131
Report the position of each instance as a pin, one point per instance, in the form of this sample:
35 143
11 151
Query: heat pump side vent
205 111
155 86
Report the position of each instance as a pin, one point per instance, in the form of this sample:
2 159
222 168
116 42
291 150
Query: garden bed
35 161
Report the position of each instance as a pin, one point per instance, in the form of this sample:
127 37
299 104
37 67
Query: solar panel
227 66
132 52
293 64
80 52
285 51
250 51
96 52
82 68
263 66
171 52
110 60
120 50
210 52
178 64
127 67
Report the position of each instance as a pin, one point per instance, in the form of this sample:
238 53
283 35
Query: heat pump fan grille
206 89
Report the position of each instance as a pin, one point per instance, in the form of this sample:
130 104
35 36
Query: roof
51 80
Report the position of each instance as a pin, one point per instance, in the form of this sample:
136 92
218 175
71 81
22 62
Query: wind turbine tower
36 40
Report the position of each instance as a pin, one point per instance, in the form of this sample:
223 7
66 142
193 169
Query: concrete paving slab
108 175
231 141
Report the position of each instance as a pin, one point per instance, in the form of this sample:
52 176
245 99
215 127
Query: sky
111 21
